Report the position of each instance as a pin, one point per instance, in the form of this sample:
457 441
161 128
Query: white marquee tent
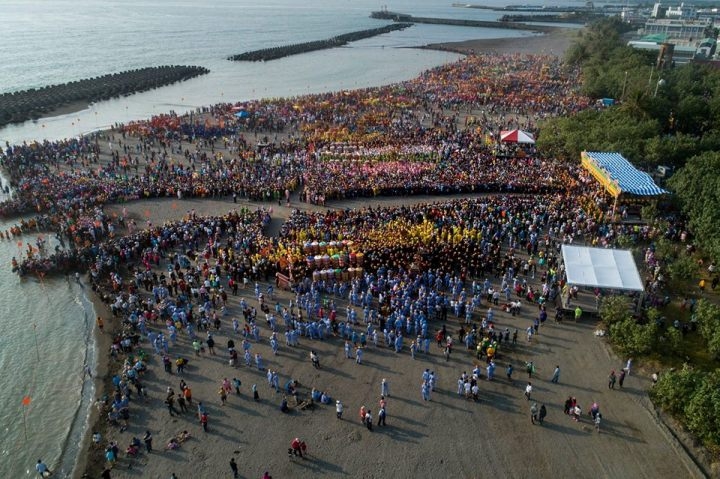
601 268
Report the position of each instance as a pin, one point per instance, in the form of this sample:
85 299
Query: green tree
682 268
672 150
614 129
707 316
672 340
702 413
633 338
697 186
674 388
615 309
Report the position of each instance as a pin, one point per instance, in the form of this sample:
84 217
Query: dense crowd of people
393 140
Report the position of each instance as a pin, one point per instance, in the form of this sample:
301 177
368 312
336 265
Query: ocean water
46 341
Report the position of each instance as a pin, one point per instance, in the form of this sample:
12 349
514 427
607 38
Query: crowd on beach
182 274
398 271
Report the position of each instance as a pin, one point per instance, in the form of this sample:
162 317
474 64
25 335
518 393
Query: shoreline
556 42
102 343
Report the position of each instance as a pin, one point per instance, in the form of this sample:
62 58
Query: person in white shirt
339 409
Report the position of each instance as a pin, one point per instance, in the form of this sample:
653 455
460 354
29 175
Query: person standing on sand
101 324
204 421
339 409
147 438
528 390
384 388
622 378
381 417
627 366
234 467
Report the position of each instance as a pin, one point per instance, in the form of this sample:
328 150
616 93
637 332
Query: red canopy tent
516 136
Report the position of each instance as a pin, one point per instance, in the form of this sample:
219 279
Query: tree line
665 117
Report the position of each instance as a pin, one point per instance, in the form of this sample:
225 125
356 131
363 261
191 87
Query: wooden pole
25 422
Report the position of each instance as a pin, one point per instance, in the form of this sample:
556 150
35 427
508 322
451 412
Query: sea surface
46 341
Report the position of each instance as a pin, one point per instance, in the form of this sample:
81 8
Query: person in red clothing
298 447
204 421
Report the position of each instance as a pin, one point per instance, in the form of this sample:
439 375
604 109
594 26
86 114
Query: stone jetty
32 104
274 53
405 18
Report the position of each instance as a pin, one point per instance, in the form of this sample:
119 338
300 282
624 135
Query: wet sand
554 43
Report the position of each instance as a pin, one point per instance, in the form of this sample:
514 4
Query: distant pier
32 104
274 53
405 18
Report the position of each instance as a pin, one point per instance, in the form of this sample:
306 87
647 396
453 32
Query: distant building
676 30
679 12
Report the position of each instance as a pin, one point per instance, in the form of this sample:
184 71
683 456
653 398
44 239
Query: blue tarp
242 114
628 178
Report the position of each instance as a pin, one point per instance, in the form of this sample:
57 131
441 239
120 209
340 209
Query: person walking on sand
42 469
530 369
369 420
556 375
621 379
627 366
170 402
297 446
509 372
234 467
528 390
314 359
611 380
542 414
533 412
339 409
385 388
236 384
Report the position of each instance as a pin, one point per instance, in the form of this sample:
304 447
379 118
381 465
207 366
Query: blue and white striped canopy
625 175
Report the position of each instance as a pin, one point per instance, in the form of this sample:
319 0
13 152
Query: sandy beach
446 436
553 43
